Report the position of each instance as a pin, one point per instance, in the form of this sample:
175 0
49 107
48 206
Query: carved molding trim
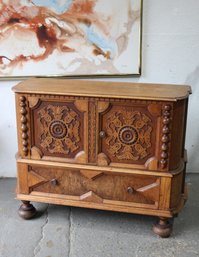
81 157
81 105
36 153
24 126
102 106
92 132
155 109
33 101
102 99
103 160
152 163
165 139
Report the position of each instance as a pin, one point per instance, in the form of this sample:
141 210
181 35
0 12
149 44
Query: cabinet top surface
90 88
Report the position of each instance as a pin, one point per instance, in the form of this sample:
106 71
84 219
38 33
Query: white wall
170 55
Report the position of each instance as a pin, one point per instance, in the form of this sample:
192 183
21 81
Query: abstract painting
69 37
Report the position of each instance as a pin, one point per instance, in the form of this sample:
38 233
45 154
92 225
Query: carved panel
58 129
129 134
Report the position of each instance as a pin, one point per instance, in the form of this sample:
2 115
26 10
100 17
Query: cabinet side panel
178 134
176 190
22 179
165 193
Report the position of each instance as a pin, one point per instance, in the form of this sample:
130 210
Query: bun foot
163 228
26 210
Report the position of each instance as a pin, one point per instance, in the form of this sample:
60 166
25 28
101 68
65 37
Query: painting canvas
69 37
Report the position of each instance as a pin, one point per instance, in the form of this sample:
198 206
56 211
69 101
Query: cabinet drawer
96 187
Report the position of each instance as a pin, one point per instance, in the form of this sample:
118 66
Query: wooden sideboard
110 146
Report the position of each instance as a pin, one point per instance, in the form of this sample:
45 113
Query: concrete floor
60 231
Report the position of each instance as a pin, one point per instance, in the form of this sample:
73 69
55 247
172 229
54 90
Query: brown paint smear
46 33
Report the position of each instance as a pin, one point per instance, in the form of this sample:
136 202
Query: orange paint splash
82 7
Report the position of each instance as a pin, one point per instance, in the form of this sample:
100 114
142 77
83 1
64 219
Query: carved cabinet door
128 133
58 128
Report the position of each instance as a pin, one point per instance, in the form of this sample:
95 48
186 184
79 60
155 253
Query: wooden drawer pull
54 182
130 190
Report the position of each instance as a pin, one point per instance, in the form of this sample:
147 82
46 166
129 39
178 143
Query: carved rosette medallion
59 129
166 112
128 135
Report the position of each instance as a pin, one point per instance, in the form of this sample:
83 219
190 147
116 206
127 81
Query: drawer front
54 127
95 186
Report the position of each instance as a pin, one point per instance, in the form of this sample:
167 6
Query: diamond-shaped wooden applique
91 197
90 174
35 180
148 191
148 187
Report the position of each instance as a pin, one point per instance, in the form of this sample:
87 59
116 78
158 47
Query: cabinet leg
163 228
26 210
